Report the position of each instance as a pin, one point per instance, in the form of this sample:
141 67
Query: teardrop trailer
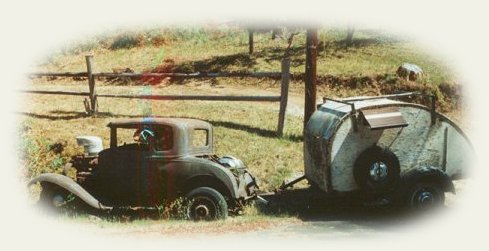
375 146
383 148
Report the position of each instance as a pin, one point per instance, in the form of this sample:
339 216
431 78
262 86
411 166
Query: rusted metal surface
331 144
292 183
166 165
182 130
71 186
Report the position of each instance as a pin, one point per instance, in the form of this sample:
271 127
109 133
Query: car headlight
231 162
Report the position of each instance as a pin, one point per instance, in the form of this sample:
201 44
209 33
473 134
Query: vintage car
152 161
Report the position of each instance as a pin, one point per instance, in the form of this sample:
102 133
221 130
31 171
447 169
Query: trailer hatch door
383 118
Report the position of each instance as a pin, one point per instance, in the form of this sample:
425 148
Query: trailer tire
422 196
377 170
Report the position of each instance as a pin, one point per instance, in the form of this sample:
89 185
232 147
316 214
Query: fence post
91 86
284 95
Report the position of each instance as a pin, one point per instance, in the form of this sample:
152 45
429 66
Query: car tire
377 170
422 196
53 197
205 203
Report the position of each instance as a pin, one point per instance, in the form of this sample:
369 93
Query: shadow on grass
254 130
311 205
67 115
247 63
322 214
357 43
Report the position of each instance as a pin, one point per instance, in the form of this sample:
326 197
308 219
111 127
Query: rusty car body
170 158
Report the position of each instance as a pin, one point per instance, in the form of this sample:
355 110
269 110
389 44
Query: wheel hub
425 198
58 200
378 171
201 211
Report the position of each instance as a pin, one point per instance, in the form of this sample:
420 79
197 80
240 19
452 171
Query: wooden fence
92 107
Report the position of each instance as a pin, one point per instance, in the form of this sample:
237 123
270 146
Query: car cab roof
176 122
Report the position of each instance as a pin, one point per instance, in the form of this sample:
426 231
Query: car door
155 179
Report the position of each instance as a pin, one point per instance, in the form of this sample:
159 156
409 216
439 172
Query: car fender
71 186
198 167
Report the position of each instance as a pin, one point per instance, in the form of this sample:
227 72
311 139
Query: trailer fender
428 174
71 186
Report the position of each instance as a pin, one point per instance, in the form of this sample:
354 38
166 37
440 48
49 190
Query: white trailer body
340 131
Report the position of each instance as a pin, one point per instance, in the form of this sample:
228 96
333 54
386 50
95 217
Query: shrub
127 41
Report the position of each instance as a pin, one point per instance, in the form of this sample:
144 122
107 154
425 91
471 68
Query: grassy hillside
200 49
367 66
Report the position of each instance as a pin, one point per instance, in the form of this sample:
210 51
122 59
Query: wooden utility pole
310 77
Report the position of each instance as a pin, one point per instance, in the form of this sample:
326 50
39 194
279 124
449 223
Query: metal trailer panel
331 144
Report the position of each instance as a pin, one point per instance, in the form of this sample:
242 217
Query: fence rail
91 105
160 74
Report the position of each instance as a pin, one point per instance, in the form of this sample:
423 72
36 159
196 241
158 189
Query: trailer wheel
422 196
205 203
377 170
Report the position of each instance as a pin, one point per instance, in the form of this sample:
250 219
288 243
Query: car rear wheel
205 203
